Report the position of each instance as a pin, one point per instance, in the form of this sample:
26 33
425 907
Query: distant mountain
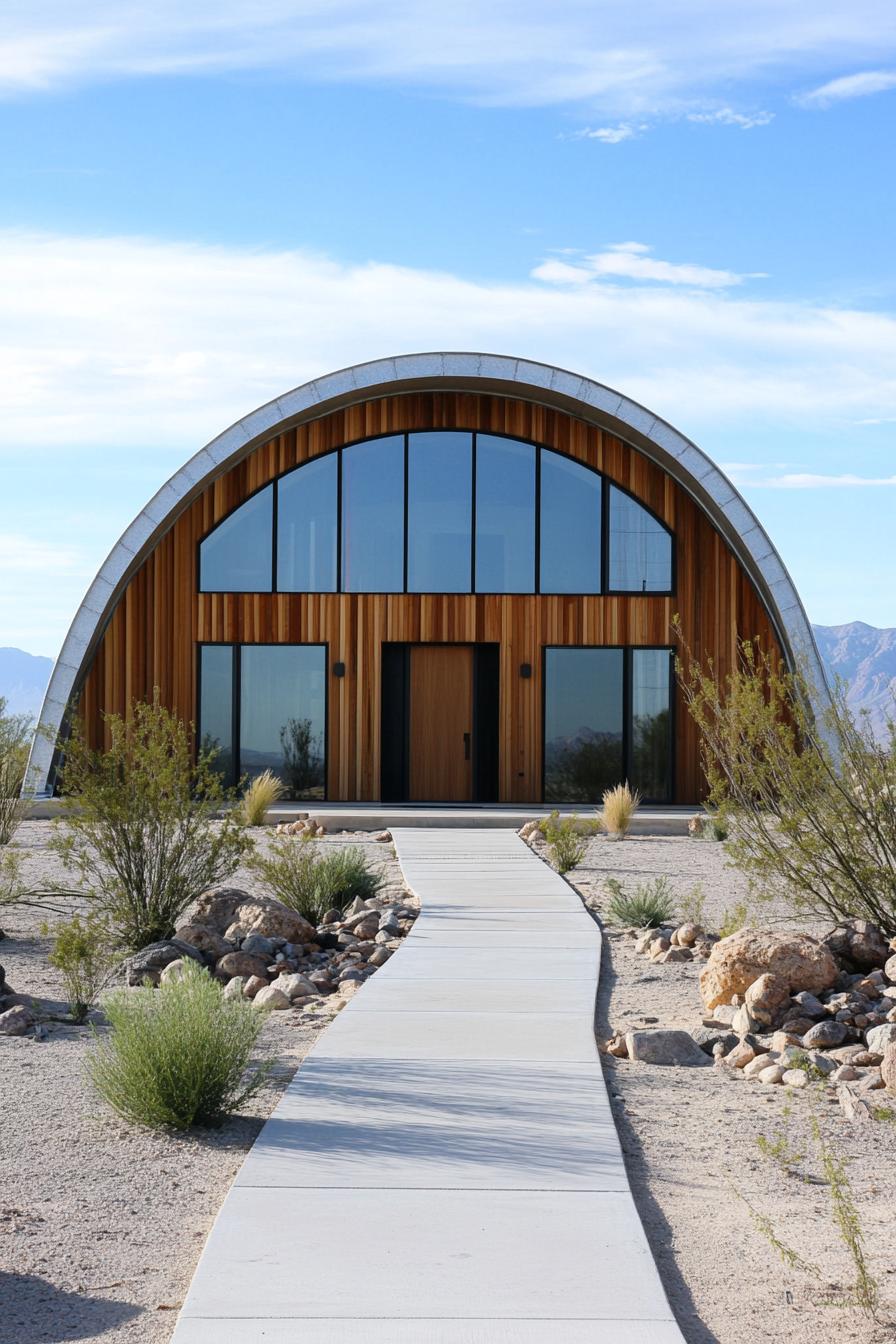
23 680
865 658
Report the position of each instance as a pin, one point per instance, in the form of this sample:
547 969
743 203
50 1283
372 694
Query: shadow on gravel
656 1228
34 1311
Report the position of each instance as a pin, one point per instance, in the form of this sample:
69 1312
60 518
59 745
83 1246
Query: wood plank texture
441 713
151 639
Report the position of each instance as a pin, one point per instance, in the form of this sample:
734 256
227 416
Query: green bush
311 882
566 843
179 1055
137 823
84 952
651 906
15 739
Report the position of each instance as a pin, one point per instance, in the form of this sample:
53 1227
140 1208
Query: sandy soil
101 1224
690 1141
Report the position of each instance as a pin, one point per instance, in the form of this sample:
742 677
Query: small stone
293 985
241 963
756 1065
678 954
773 1073
253 984
888 1068
16 1021
823 1063
173 971
740 1056
830 1033
797 1026
767 998
708 1037
205 940
657 947
271 997
379 956
235 987
665 1047
255 944
383 837
890 969
809 1005
844 1073
795 1078
688 934
643 943
782 1039
853 1106
743 1021
150 961
617 1047
879 1038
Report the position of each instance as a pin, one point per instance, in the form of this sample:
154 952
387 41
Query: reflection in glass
651 726
237 556
570 526
583 739
282 715
216 706
306 528
505 516
640 548
439 507
373 516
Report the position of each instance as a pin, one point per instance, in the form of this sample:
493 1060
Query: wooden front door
441 723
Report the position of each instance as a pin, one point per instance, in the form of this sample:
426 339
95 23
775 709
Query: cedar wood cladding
152 637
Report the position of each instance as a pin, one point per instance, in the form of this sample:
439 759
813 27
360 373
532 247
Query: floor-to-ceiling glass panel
237 557
216 706
306 528
583 718
640 548
283 715
373 516
570 526
505 515
651 722
440 502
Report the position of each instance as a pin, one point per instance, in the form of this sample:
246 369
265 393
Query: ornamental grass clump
261 794
312 883
619 807
180 1055
651 906
138 826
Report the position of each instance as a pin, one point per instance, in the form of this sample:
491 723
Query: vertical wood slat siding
152 636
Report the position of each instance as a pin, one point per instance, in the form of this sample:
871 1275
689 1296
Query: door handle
466 746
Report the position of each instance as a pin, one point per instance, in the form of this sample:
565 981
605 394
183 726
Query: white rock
272 997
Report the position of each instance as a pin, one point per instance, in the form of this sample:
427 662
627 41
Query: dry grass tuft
261 794
620 805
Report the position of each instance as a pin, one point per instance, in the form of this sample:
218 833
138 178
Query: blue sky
201 209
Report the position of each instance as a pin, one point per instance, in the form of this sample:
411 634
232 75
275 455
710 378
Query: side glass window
570 526
237 557
282 715
216 706
505 516
440 498
651 722
640 548
373 516
583 737
306 528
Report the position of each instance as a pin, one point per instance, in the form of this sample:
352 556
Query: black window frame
627 687
236 692
539 448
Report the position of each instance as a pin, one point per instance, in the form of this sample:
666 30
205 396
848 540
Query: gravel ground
101 1224
690 1142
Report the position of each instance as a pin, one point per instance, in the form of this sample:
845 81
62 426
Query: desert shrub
178 1055
565 841
15 740
84 952
733 920
311 882
691 906
810 799
261 793
619 806
137 826
651 905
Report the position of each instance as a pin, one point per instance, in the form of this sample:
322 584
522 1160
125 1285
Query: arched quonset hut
439 577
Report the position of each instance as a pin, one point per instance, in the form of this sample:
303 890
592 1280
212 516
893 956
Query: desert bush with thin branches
15 740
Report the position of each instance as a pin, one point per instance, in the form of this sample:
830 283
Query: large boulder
880 1037
665 1047
795 959
858 943
150 962
241 963
229 907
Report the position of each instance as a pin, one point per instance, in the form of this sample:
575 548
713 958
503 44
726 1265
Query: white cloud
626 60
746 475
631 261
609 135
726 116
860 85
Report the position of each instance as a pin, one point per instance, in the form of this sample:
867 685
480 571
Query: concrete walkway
444 1168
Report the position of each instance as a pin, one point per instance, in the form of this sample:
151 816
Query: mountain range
862 655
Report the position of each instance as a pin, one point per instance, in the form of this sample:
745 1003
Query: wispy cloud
610 135
627 61
726 116
748 475
632 261
860 85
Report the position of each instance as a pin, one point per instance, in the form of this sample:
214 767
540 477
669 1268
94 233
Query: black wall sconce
525 671
339 669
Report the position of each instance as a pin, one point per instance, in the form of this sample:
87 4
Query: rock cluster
686 942
308 827
260 949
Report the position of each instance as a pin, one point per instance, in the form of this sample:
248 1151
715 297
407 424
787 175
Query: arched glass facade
444 511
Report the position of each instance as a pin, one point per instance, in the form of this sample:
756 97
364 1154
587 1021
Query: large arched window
440 511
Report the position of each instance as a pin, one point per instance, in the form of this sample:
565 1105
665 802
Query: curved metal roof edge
583 397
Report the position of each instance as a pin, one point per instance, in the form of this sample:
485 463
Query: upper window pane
651 727
282 714
583 715
216 706
570 526
306 528
373 516
640 548
237 556
505 516
440 500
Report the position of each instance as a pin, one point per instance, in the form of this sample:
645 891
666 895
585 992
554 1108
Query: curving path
444 1167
